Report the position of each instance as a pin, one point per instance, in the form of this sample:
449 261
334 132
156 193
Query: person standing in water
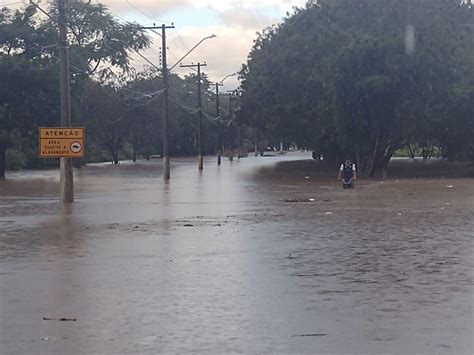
347 173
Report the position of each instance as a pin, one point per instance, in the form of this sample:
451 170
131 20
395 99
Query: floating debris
50 338
300 200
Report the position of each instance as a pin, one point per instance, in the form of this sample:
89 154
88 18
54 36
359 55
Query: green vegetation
366 78
371 79
121 109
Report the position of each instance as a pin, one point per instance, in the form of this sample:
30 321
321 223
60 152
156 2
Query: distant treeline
364 78
121 109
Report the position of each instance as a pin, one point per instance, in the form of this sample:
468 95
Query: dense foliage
121 110
366 78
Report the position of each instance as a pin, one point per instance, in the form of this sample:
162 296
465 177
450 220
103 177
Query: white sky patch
246 19
157 8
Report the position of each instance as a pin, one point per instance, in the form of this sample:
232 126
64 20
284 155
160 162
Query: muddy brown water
251 257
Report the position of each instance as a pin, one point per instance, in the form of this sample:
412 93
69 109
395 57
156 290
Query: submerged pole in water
66 174
199 98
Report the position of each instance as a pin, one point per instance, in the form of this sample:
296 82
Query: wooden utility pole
235 93
219 127
166 134
66 175
231 95
220 138
200 154
230 118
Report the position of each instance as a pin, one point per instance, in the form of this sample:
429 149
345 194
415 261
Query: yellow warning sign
59 142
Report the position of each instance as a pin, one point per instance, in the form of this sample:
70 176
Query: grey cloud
223 54
245 18
151 8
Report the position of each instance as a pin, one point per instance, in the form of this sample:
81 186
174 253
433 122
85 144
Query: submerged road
246 258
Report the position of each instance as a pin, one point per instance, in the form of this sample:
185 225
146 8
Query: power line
144 13
181 39
143 104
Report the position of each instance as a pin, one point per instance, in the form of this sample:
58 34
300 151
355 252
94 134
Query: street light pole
184 56
200 158
230 116
200 153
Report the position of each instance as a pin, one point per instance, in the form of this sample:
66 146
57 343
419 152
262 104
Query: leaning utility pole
166 134
198 65
66 175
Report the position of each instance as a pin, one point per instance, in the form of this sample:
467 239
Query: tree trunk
134 153
3 152
77 163
114 153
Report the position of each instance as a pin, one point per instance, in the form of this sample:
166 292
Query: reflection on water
218 262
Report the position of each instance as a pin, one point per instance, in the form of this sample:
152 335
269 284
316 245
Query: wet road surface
236 259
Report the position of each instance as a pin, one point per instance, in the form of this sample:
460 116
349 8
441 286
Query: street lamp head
184 56
228 76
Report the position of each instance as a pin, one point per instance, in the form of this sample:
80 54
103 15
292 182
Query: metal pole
66 175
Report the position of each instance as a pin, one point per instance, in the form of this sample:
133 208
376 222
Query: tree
360 78
100 46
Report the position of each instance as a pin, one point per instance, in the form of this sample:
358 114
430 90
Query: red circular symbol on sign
76 147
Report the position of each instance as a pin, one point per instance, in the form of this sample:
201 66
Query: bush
15 160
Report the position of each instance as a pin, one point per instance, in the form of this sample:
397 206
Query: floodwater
245 258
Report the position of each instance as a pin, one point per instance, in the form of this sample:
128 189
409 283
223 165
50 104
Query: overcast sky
234 22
